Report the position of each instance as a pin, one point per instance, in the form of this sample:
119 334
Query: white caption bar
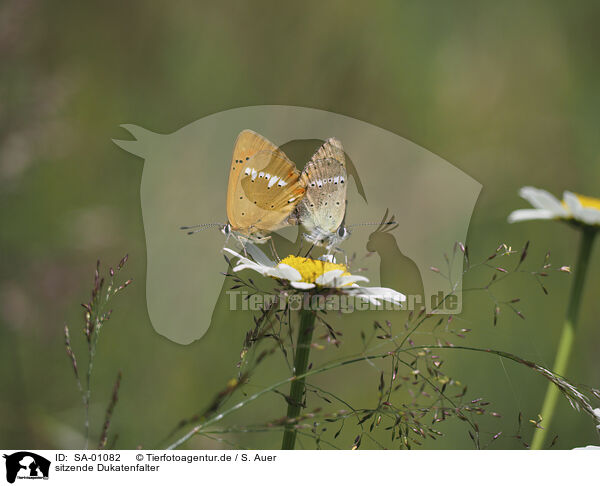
283 468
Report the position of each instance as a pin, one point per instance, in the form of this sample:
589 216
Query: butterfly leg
328 249
309 250
242 243
345 257
273 250
339 250
226 240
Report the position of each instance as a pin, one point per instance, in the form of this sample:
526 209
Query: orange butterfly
264 188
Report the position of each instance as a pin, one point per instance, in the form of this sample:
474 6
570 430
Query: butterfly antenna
380 225
199 227
385 215
387 211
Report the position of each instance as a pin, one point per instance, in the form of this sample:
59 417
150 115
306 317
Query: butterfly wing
264 185
323 207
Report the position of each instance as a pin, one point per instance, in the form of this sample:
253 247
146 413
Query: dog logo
26 465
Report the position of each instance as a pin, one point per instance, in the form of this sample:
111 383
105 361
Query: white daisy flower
574 207
305 273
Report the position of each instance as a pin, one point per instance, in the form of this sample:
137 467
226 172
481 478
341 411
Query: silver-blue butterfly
322 210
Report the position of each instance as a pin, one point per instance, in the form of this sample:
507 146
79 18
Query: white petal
286 272
585 215
233 253
368 298
252 266
335 279
244 263
572 202
590 216
326 280
282 270
586 447
380 293
530 214
376 294
391 295
346 280
542 199
302 285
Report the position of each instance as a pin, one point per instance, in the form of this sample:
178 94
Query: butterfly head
249 235
226 229
342 233
320 237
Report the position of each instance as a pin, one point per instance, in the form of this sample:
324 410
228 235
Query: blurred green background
507 92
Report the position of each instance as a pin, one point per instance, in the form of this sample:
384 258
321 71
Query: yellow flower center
589 202
586 202
312 269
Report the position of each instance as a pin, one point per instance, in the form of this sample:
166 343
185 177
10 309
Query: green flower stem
305 332
567 336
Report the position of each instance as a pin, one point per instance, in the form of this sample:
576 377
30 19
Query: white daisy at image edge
573 207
